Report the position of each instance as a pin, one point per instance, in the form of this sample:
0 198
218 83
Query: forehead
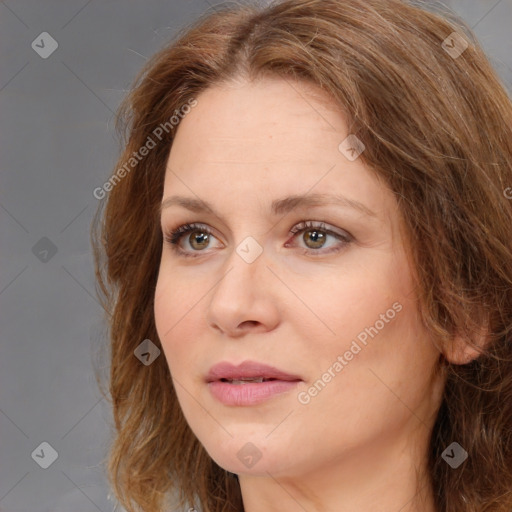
271 120
245 144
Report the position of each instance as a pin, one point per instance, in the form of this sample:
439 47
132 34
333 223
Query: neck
386 476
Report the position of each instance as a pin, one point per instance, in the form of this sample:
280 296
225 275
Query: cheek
164 307
172 309
369 317
354 301
174 300
179 320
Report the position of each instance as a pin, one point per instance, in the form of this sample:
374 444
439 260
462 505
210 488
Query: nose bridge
245 266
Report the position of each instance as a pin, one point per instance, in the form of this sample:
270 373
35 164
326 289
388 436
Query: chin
241 455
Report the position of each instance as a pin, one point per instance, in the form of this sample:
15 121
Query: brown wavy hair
437 128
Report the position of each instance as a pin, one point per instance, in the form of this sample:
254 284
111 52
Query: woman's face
331 303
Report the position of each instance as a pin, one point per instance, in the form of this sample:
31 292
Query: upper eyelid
317 224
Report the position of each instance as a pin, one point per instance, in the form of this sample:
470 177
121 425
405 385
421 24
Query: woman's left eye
314 237
317 233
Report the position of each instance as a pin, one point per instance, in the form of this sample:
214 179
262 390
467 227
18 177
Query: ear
463 349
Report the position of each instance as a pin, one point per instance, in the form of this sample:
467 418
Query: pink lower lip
250 393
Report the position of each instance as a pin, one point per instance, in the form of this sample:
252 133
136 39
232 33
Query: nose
245 298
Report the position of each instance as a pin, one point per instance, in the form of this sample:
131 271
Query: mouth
245 381
248 384
248 372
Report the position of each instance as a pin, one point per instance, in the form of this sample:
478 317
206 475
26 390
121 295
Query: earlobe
462 350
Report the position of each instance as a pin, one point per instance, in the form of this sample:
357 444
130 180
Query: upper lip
247 369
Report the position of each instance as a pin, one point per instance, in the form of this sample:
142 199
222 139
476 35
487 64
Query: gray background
58 145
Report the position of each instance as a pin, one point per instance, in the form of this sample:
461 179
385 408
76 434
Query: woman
306 258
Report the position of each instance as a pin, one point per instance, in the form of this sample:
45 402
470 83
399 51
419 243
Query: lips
248 371
248 384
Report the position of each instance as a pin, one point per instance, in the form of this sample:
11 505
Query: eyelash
174 236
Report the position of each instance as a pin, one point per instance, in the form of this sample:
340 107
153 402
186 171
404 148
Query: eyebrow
278 206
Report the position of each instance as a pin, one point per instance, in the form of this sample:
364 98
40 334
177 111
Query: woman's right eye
199 235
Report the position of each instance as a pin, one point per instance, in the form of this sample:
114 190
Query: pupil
198 238
317 237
